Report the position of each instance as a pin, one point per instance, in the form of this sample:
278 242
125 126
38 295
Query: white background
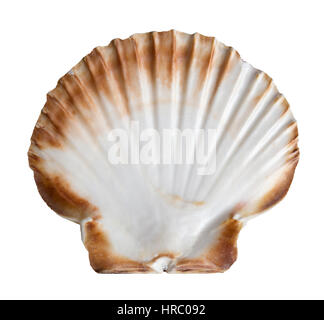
281 253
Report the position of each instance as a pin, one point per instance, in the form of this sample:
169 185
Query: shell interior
163 217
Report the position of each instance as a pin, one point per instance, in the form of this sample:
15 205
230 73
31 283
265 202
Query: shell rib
155 218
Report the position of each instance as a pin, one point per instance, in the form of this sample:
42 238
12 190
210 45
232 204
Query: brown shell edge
102 258
220 255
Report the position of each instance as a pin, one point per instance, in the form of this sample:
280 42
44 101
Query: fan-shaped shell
145 219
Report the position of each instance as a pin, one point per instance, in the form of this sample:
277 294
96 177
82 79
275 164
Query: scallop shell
154 218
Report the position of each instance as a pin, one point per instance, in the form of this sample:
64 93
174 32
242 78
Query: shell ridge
116 83
139 70
117 43
201 109
182 102
221 75
155 94
174 105
101 104
155 46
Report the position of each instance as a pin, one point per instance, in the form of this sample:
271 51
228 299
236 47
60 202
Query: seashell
159 217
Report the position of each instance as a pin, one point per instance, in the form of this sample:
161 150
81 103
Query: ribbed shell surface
153 218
